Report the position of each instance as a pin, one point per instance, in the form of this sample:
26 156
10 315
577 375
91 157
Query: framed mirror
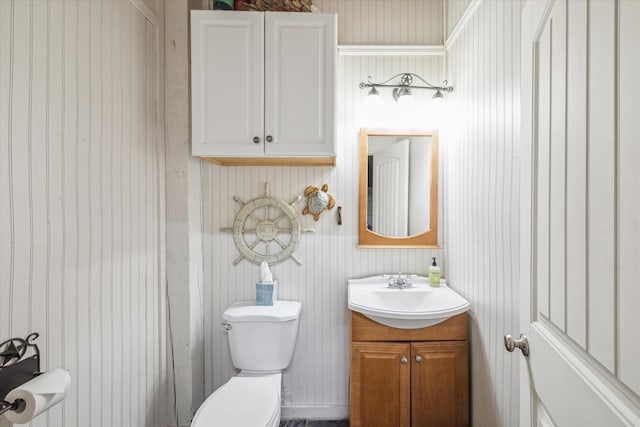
398 188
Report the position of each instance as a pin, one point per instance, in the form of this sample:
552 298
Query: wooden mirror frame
370 239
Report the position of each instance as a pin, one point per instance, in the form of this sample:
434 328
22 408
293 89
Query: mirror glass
398 188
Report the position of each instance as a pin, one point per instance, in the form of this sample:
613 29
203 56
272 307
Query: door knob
403 360
522 343
418 358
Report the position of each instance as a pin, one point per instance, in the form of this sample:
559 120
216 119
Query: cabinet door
300 67
380 384
227 83
439 384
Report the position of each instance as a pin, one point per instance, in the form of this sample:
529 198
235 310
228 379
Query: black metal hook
19 363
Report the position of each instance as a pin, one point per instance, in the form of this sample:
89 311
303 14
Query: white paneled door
580 213
391 190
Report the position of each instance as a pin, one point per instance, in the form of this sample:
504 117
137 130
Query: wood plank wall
454 9
82 202
384 22
482 198
317 381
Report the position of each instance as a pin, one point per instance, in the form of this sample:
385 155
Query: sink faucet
400 282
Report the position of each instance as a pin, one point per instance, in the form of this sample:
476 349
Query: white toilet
261 340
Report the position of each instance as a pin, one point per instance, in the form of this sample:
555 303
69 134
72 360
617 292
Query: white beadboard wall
316 384
482 199
82 202
384 22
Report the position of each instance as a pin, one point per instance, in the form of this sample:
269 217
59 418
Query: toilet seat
244 401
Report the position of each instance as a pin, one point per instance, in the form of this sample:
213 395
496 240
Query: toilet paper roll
39 394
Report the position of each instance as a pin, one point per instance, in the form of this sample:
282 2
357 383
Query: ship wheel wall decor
266 229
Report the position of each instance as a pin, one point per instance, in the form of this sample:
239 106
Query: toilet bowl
261 341
244 401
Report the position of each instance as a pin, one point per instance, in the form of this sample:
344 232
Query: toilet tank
262 338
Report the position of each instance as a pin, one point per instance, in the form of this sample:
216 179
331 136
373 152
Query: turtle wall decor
318 200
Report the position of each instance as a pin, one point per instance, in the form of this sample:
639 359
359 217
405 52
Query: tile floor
314 423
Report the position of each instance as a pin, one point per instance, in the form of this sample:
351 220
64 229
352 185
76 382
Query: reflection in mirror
399 168
398 188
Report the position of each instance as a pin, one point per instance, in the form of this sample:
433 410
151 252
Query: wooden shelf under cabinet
409 377
272 161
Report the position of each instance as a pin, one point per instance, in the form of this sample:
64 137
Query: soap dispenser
434 273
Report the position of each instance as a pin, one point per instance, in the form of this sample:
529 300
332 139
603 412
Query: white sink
411 308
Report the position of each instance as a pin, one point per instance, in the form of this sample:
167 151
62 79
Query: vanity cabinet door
380 384
439 384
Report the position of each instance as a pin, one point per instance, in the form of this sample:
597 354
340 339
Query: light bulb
401 92
438 95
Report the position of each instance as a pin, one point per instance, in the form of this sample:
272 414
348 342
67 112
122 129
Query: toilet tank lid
247 311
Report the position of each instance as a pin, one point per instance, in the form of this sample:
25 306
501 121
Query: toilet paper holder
19 363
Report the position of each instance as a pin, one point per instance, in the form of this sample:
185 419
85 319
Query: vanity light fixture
402 85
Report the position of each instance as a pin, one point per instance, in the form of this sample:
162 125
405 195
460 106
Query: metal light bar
404 84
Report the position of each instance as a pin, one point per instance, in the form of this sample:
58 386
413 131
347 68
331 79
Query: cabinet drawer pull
418 358
403 360
256 140
269 138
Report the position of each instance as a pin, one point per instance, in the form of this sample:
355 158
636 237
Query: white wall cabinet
263 88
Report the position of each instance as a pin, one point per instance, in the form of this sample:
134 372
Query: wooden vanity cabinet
409 377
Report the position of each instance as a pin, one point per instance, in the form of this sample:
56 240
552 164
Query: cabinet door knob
403 360
256 140
269 138
418 358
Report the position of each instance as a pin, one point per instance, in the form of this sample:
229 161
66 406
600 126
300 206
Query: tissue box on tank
264 293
